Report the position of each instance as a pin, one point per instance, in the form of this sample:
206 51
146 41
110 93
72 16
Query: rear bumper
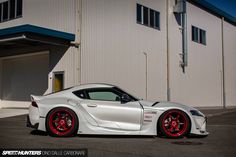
30 125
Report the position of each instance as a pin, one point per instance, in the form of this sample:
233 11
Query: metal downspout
223 64
184 40
167 51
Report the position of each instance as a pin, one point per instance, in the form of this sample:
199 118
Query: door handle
91 105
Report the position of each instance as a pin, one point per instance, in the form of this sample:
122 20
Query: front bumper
200 126
30 125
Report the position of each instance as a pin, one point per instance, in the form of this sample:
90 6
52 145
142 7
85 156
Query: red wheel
61 122
174 124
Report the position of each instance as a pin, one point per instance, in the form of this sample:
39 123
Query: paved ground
9 112
220 142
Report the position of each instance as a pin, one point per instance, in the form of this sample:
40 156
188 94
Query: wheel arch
188 116
61 106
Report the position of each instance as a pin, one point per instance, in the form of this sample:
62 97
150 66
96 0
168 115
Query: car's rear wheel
62 122
174 124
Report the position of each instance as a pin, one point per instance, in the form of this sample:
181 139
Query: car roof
92 85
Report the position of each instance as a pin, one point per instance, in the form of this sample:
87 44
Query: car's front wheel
62 122
174 124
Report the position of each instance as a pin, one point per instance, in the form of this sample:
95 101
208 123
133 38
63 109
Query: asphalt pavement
221 141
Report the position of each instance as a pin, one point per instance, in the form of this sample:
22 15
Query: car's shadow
115 136
39 133
43 133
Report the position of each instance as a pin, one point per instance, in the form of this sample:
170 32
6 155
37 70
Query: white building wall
54 14
200 85
230 63
113 45
60 15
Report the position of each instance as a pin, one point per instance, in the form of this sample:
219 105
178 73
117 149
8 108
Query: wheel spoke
59 115
176 128
171 129
177 118
64 127
58 127
56 121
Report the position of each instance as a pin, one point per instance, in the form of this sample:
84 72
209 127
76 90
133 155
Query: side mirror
125 98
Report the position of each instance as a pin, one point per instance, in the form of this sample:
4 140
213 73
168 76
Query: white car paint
111 117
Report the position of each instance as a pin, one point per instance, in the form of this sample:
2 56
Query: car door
106 108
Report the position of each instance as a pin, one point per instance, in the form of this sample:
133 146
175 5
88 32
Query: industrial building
175 50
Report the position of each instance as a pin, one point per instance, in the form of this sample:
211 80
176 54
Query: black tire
62 122
174 124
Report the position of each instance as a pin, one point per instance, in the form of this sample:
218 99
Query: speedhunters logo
45 152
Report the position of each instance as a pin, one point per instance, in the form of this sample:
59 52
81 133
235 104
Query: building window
19 8
198 35
202 37
10 9
139 13
145 16
5 11
148 17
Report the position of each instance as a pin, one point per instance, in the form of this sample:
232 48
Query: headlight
196 113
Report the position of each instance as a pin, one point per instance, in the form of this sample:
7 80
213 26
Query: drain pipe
184 39
223 64
180 8
167 52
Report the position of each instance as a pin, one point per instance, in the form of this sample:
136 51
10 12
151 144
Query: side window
103 95
80 94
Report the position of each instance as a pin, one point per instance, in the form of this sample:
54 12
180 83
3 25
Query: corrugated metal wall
59 15
201 84
54 14
230 64
113 45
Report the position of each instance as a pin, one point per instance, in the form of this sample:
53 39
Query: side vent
155 103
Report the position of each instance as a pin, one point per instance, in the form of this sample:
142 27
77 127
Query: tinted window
80 94
103 95
157 20
19 8
139 13
121 92
151 18
0 12
5 11
198 35
202 37
194 34
12 9
145 15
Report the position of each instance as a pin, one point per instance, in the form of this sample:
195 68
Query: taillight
33 103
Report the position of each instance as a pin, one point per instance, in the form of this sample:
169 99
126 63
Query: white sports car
108 110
